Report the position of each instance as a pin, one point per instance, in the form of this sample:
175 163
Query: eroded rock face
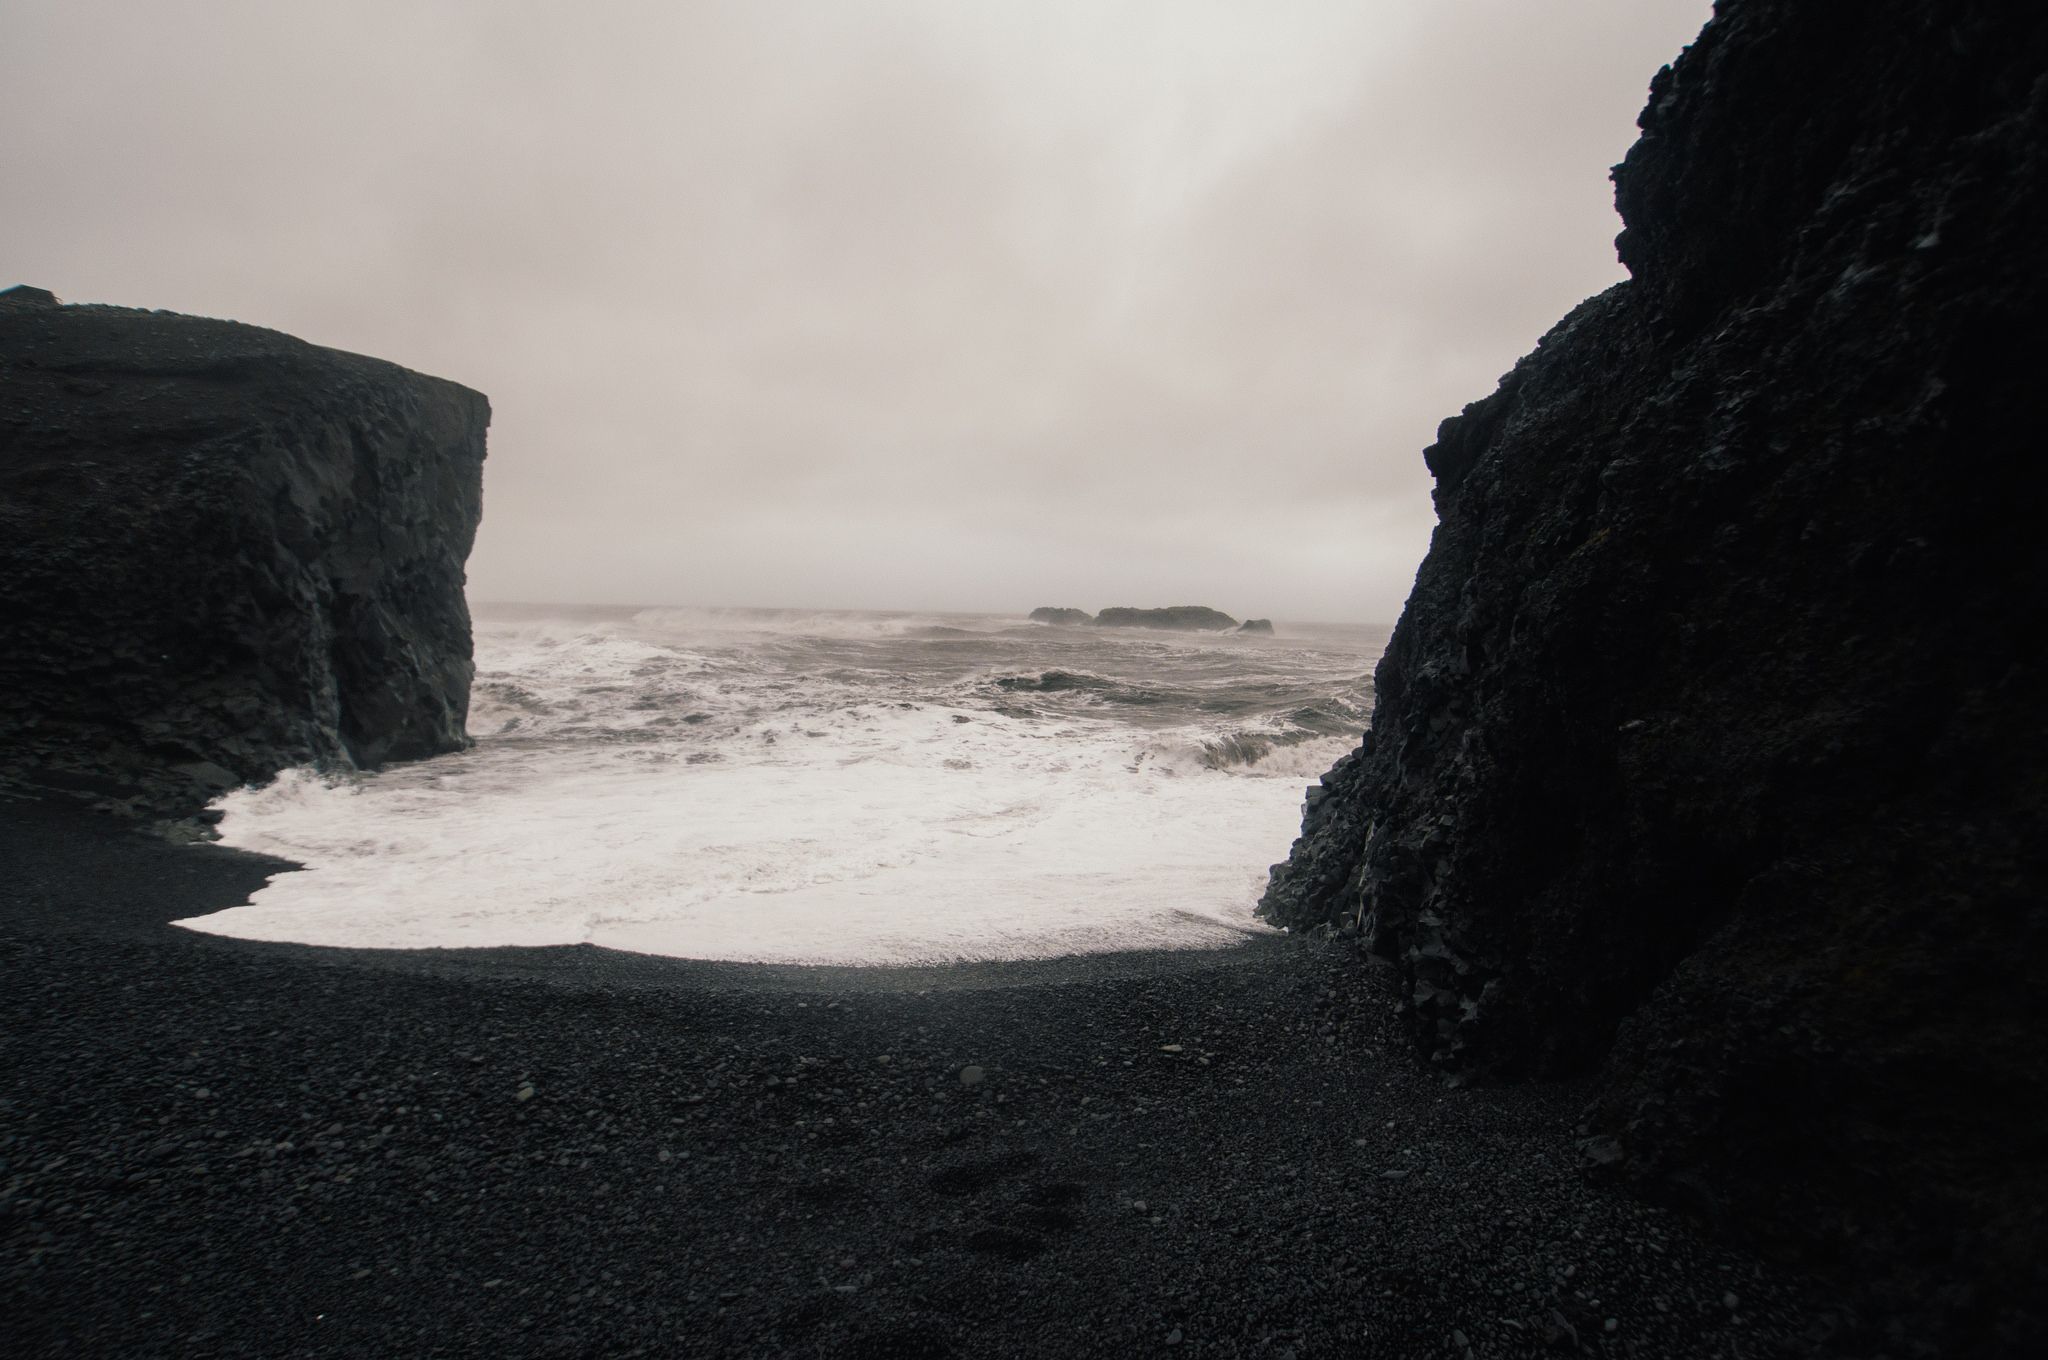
223 552
1710 751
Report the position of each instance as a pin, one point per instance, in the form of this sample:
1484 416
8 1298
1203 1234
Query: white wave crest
780 786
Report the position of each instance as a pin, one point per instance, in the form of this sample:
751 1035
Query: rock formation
26 296
1179 618
1256 626
1049 614
223 552
1711 752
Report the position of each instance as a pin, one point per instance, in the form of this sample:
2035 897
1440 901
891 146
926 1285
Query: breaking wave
820 787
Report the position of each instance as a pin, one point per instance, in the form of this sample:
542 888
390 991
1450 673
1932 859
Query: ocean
823 787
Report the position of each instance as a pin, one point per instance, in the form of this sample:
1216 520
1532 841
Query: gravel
217 1147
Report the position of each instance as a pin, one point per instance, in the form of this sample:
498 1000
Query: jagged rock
1049 614
1256 626
1182 618
223 551
1318 882
1710 749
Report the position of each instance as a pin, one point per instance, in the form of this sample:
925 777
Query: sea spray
827 788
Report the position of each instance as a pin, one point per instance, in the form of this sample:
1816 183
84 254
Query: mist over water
830 787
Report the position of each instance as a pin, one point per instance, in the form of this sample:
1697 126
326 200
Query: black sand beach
221 1148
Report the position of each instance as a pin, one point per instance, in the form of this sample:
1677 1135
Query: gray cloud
872 304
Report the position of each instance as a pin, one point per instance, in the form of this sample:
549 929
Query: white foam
704 803
895 838
805 623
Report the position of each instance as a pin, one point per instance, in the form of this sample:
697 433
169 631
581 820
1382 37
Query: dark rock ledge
223 551
1711 752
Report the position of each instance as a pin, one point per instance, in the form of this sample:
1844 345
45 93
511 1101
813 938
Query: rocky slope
223 551
1710 749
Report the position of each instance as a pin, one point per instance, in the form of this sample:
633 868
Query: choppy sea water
824 788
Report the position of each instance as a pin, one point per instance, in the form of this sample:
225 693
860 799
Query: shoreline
234 1147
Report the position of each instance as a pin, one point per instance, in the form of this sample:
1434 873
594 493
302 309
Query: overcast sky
871 303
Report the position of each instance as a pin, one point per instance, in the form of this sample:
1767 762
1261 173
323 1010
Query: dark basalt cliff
1711 752
223 551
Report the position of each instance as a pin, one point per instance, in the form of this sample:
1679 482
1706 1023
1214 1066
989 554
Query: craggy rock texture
223 551
1710 750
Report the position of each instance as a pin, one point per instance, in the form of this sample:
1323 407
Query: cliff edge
223 551
1711 751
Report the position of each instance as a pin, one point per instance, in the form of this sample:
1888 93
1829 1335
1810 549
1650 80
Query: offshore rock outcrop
1046 613
223 551
1179 618
1711 752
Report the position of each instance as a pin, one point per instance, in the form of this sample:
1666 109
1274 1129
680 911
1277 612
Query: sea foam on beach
823 788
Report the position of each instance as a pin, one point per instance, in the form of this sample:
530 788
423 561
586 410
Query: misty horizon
722 606
895 305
